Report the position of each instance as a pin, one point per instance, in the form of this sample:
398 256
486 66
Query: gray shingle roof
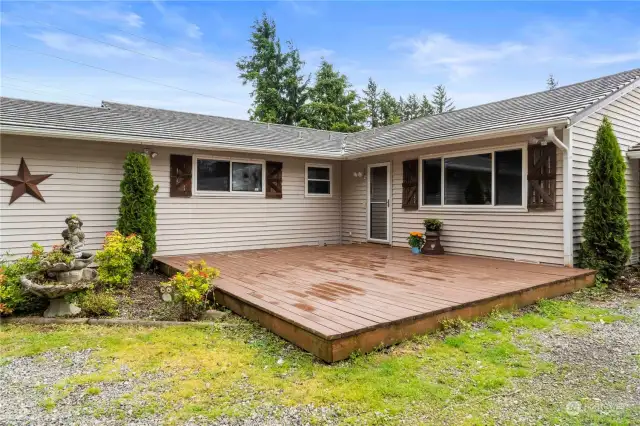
207 131
120 120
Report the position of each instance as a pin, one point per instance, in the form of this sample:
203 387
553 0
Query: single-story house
507 178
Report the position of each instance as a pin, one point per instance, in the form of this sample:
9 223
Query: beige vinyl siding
624 114
526 236
86 178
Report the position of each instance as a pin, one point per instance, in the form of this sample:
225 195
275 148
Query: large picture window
229 176
494 178
318 177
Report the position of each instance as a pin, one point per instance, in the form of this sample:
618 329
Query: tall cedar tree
411 107
552 83
441 101
606 245
333 105
389 109
279 87
372 101
137 212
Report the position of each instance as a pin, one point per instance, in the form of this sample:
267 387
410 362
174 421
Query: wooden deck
334 300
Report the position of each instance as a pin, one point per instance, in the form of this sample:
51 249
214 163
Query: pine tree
441 102
389 110
137 212
411 107
372 101
426 108
279 87
401 108
552 83
333 104
606 245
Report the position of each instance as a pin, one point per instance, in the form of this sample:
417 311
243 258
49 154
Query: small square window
247 177
318 180
212 175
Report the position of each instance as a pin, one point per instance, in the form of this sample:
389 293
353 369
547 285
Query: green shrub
193 287
137 213
56 255
13 299
116 259
95 304
433 225
606 246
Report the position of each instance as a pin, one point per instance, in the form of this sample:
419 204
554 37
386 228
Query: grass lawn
495 371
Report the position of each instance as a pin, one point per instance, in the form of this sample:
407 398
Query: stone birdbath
66 277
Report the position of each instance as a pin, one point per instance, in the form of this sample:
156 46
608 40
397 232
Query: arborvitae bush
138 205
606 246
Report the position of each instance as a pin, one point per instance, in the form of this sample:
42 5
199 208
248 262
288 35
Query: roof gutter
149 142
567 190
489 134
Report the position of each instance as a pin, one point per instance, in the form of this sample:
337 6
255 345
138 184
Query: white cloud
78 45
111 12
613 58
303 8
175 20
459 58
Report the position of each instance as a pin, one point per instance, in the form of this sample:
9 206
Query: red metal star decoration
24 182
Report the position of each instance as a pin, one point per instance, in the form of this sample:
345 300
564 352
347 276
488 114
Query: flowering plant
193 287
12 297
116 259
432 225
415 239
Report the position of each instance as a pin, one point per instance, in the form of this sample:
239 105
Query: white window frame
230 192
306 180
475 207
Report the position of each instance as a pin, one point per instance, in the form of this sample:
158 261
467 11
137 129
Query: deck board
331 300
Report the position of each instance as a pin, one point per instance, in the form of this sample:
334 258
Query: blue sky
481 51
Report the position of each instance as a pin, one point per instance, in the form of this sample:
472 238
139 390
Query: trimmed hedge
606 245
137 212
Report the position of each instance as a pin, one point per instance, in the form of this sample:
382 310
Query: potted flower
415 240
432 237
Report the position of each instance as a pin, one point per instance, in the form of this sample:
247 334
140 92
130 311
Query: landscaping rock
212 315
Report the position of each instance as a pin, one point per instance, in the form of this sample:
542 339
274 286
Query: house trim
148 142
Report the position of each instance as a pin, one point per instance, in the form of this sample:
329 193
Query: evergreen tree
333 104
411 107
441 102
606 245
389 109
372 101
279 87
552 83
425 107
137 212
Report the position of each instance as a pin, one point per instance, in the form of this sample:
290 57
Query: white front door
379 203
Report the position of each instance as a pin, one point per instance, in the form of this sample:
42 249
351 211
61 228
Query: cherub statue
73 236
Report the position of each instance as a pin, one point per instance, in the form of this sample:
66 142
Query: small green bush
13 299
433 225
116 259
606 245
193 287
56 255
95 304
137 212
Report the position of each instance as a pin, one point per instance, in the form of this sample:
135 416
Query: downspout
567 190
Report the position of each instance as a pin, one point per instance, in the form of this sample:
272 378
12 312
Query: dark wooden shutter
542 177
410 184
274 179
180 175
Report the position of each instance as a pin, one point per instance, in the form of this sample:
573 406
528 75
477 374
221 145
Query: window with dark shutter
274 179
541 177
410 184
180 175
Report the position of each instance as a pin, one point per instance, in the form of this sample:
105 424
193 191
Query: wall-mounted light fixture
150 153
357 174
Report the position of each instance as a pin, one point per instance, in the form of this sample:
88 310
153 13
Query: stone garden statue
73 236
63 275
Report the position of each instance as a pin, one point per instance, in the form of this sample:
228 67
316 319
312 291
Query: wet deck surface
339 291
